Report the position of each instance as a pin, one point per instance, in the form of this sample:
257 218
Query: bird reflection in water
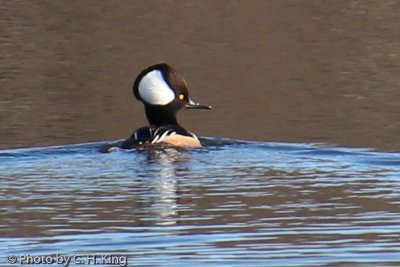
164 162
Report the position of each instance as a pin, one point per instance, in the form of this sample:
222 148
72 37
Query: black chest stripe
160 134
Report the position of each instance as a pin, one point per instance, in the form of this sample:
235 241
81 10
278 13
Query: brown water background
291 71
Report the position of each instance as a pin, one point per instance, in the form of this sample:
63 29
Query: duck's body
169 134
163 92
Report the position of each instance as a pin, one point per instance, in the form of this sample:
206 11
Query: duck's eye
181 96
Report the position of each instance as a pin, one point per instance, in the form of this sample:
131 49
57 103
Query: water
231 203
289 74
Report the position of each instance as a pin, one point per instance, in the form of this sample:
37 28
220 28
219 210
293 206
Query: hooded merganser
163 92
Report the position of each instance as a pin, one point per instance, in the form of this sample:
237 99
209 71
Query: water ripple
228 204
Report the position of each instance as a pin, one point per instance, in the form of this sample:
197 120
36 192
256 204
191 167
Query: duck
163 92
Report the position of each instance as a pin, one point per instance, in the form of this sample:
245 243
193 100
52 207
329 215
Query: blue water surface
231 203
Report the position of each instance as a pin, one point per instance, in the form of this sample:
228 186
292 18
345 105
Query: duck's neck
159 116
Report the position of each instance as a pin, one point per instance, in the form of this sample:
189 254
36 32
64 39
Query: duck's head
163 92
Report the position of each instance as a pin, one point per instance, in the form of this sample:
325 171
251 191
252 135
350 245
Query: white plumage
154 90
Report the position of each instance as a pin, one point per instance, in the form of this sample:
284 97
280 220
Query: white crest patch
154 89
